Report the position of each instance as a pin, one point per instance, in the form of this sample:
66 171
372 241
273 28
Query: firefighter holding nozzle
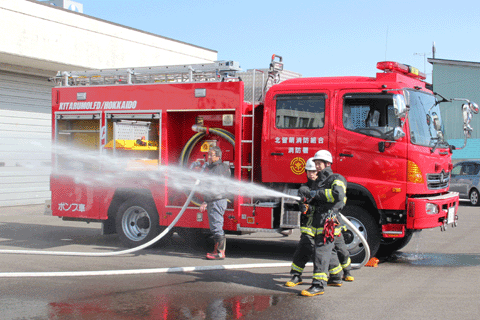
322 197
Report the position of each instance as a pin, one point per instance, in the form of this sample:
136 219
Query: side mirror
436 122
467 117
398 133
400 106
474 107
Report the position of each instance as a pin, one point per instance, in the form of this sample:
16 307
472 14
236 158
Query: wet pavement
434 277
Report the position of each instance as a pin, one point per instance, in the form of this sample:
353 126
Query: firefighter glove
304 193
303 208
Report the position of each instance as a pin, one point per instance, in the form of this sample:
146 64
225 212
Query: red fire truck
385 134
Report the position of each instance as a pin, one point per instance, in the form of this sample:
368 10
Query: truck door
365 152
296 127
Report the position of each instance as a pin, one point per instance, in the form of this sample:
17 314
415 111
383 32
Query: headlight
432 208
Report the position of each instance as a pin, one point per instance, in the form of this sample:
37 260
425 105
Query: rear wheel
137 221
474 197
365 223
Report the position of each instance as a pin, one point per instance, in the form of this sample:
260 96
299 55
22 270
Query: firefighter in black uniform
341 256
323 200
305 247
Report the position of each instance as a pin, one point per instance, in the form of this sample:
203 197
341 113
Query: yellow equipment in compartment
136 145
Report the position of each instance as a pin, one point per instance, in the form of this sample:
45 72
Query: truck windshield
426 127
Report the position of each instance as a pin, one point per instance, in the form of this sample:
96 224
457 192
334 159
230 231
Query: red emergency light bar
390 66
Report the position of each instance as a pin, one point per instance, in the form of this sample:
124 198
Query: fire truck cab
384 132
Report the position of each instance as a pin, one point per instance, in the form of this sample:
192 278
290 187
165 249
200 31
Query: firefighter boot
314 290
296 280
219 250
334 281
347 276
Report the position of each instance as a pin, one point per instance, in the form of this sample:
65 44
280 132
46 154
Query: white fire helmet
323 155
310 165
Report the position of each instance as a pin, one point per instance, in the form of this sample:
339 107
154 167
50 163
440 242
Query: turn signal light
414 174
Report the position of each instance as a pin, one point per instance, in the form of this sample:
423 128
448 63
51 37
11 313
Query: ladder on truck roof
216 71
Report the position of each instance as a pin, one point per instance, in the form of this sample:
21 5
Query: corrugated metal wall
457 82
25 139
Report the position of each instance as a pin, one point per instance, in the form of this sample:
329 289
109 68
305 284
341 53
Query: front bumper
418 218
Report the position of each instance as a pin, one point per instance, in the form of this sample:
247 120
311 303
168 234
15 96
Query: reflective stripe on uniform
329 195
311 231
336 270
347 263
320 276
296 268
307 230
340 184
338 230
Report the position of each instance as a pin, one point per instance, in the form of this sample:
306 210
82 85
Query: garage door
25 139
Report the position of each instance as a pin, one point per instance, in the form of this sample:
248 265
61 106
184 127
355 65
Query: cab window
370 114
300 111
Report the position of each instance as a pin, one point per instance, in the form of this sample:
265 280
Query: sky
314 37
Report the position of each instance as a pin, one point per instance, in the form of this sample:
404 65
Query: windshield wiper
438 143
437 102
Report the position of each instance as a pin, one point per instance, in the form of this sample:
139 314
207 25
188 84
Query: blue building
458 79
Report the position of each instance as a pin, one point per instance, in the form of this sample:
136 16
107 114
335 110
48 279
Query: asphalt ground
434 277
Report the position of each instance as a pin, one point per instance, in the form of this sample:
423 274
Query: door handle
346 155
276 153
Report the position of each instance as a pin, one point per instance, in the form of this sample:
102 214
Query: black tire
474 197
389 245
137 221
367 226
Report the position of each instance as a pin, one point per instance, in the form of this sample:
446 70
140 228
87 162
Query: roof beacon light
390 66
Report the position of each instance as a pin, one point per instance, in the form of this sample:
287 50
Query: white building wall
38 40
45 37
25 157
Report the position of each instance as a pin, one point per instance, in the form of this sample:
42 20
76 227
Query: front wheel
390 245
474 197
365 223
137 221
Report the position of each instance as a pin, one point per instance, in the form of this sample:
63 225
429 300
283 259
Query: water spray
180 179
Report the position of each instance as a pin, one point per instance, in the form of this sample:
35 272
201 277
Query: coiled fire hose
202 132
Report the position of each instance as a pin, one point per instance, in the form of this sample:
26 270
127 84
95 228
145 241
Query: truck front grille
437 181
